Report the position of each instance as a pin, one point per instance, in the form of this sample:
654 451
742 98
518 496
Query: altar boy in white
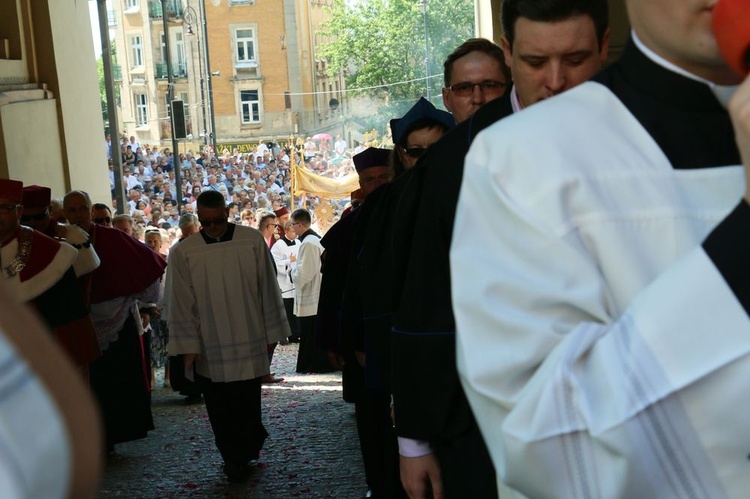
607 351
225 307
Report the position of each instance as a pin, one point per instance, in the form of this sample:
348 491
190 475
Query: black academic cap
421 114
370 157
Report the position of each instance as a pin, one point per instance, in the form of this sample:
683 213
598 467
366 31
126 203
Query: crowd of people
539 293
249 182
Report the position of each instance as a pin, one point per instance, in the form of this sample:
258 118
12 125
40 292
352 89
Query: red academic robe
47 283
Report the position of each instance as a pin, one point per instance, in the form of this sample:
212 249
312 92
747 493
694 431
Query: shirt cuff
728 248
408 447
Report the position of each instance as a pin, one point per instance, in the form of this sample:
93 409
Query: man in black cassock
335 334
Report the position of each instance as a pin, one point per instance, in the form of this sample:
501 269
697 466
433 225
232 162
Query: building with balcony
141 67
267 81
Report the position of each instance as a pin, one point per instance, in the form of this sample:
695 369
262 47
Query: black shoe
236 473
193 399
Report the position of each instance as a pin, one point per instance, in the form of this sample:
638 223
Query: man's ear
507 52
604 49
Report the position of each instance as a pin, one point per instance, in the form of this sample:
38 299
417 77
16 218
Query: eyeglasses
7 208
38 216
213 221
385 177
414 152
102 221
466 88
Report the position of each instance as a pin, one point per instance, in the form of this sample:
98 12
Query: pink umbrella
321 136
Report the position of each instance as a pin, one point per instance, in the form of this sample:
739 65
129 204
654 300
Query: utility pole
111 105
190 15
170 97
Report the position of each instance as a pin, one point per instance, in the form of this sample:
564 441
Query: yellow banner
307 182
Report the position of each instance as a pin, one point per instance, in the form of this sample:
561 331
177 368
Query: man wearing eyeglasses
267 226
223 319
101 214
39 270
550 46
474 75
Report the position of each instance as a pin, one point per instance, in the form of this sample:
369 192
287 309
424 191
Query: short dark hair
211 199
265 216
101 206
554 10
475 45
302 215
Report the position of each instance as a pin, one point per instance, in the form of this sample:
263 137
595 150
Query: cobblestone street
312 449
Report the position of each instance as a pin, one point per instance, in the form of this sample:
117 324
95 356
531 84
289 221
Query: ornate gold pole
293 178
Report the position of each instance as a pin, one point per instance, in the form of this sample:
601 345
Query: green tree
380 47
102 84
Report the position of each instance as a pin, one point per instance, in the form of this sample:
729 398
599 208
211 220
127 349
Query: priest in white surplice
225 307
603 336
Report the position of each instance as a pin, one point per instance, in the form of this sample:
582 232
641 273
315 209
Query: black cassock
429 402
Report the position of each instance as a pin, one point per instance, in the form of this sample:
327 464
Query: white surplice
225 303
602 352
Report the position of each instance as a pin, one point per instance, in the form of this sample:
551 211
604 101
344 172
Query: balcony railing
179 70
117 72
173 8
111 19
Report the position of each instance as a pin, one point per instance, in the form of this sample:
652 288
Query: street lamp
202 6
423 10
111 105
189 15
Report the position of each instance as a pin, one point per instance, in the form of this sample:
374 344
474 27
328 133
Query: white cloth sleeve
184 326
280 257
408 447
274 314
308 265
34 447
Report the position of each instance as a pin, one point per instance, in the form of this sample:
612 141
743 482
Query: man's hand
190 358
739 110
336 360
420 477
292 257
360 357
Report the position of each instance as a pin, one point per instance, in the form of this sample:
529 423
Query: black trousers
310 359
235 414
377 441
178 380
293 321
